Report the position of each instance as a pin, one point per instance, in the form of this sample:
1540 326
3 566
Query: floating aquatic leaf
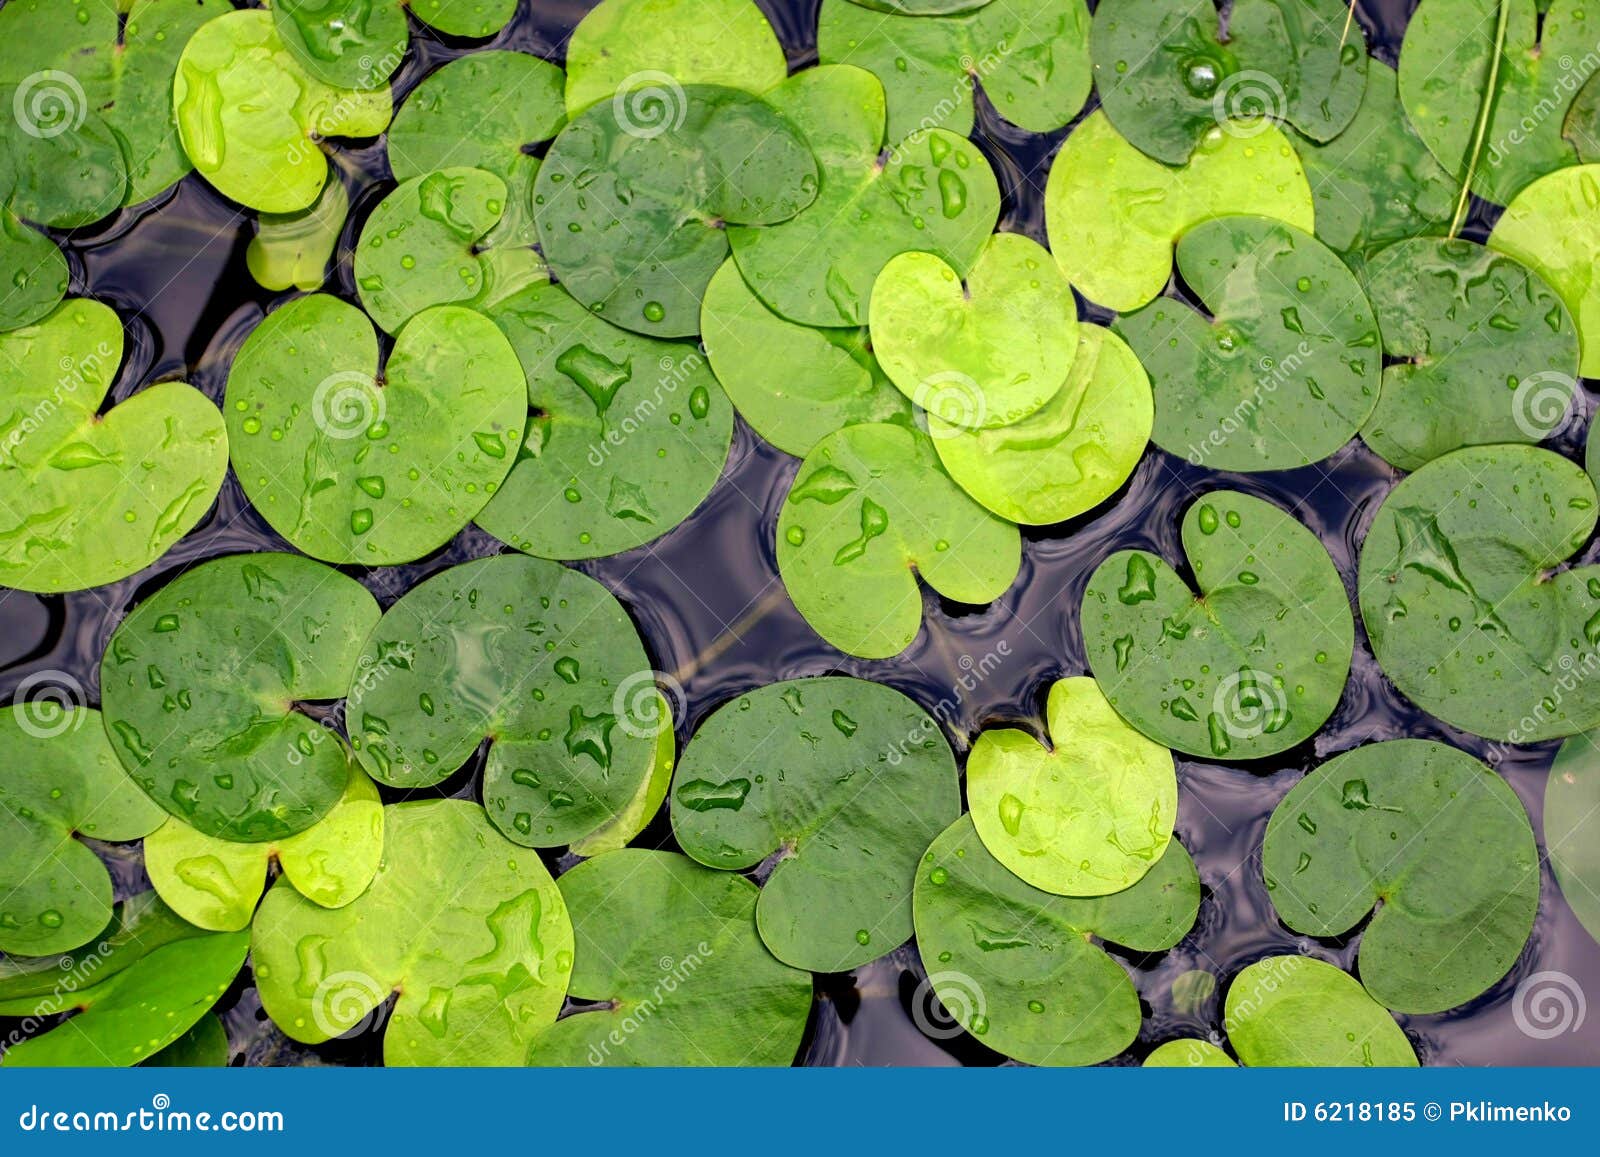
1294 1011
1582 125
205 1046
869 504
1188 1054
53 173
652 793
355 44
475 18
1253 664
1571 817
35 270
923 7
468 928
669 952
292 250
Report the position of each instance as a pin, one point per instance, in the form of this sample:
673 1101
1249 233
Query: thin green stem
1485 108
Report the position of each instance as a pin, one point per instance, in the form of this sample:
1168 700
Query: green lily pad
317 442
869 504
1479 348
355 44
468 928
848 780
1090 814
626 434
534 656
980 354
205 1046
631 215
215 884
91 498
652 793
200 683
1016 966
1571 805
1293 1011
1253 664
1465 604
1071 455
63 780
1114 215
935 192
62 166
35 269
1550 228
292 250
1188 1054
669 950
1438 842
1444 70
1286 369
830 379
250 118
138 926
1581 127
474 18
1167 73
1030 56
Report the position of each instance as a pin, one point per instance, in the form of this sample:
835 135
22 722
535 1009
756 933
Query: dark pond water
710 605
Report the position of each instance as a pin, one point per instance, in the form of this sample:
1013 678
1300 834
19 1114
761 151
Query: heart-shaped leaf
668 951
91 498
200 683
346 43
1433 838
849 781
62 780
1294 1011
1114 215
1286 369
1188 1054
467 927
626 434
1017 967
292 250
1571 808
1464 600
869 504
1253 664
351 471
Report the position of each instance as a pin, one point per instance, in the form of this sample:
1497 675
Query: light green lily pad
1017 967
669 951
848 780
1294 1011
534 656
1090 814
652 793
1253 664
1188 1054
1287 367
1464 599
1071 455
354 44
869 504
626 434
62 780
249 117
91 498
467 927
1479 348
1114 215
351 471
200 683
1571 821
473 18
1438 842
292 250
1550 228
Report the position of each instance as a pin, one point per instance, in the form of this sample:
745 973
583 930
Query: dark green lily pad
1030 56
1167 74
474 18
830 379
529 654
1114 215
62 780
91 498
205 1046
346 43
626 434
200 683
351 471
1571 820
1550 228
848 780
1017 967
1480 350
1252 665
292 250
1286 369
869 504
652 793
923 7
669 951
934 192
35 269
1090 814
1438 842
62 165
1582 125
1464 600
1188 1054
632 216
1293 1011
468 928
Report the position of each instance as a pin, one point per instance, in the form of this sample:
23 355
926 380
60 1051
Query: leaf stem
1485 107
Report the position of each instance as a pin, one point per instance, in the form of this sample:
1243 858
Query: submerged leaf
292 250
1571 824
